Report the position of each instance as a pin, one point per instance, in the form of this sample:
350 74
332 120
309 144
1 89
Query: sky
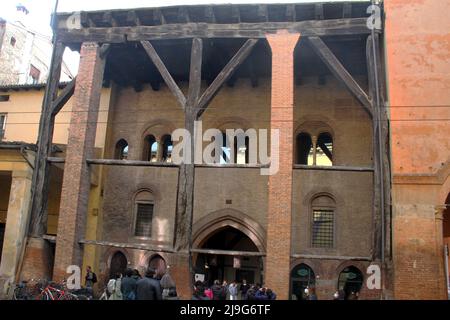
40 11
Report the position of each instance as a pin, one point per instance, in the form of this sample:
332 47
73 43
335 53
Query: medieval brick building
317 74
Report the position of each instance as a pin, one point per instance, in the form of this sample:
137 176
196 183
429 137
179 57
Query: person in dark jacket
244 289
199 291
219 292
148 288
128 286
271 295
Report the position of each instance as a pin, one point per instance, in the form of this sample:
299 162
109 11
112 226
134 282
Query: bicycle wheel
68 296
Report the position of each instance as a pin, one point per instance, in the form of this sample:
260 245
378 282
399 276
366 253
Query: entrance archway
228 254
157 263
302 276
118 264
350 281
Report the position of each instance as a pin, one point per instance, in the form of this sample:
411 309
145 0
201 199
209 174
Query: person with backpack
114 287
169 290
91 278
128 286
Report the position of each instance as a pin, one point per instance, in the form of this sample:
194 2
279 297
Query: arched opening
159 264
446 234
167 147
305 154
302 276
324 153
118 264
350 281
144 205
239 152
121 151
150 152
228 254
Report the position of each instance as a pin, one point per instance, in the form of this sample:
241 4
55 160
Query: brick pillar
280 185
76 181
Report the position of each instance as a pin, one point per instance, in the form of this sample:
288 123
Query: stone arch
218 220
223 123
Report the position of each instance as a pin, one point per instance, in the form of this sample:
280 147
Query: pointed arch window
167 148
121 151
151 147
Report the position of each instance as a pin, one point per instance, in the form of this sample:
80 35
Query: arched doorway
228 254
157 263
350 281
118 264
302 276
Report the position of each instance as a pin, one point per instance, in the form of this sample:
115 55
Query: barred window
323 229
144 217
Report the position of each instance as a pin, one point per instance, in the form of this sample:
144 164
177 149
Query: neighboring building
117 200
25 55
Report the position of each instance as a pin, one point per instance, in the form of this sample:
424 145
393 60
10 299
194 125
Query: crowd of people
232 291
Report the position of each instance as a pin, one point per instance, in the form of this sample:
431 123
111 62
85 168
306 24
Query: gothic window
150 149
167 147
121 152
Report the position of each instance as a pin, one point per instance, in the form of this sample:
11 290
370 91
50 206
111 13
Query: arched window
324 153
350 281
150 149
118 264
323 222
167 147
241 149
305 154
302 276
144 208
121 151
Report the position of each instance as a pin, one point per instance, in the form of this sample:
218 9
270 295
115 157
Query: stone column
279 214
76 181
16 227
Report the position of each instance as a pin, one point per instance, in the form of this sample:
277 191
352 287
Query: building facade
116 197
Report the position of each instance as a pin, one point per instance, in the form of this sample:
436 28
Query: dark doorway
351 281
5 188
302 276
118 264
159 264
229 267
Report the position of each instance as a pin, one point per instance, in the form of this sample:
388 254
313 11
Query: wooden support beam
126 246
158 17
318 11
108 19
41 173
116 162
236 14
263 14
326 151
183 15
347 10
291 14
133 18
334 27
210 17
381 147
86 21
334 168
225 74
335 66
63 97
229 253
164 73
